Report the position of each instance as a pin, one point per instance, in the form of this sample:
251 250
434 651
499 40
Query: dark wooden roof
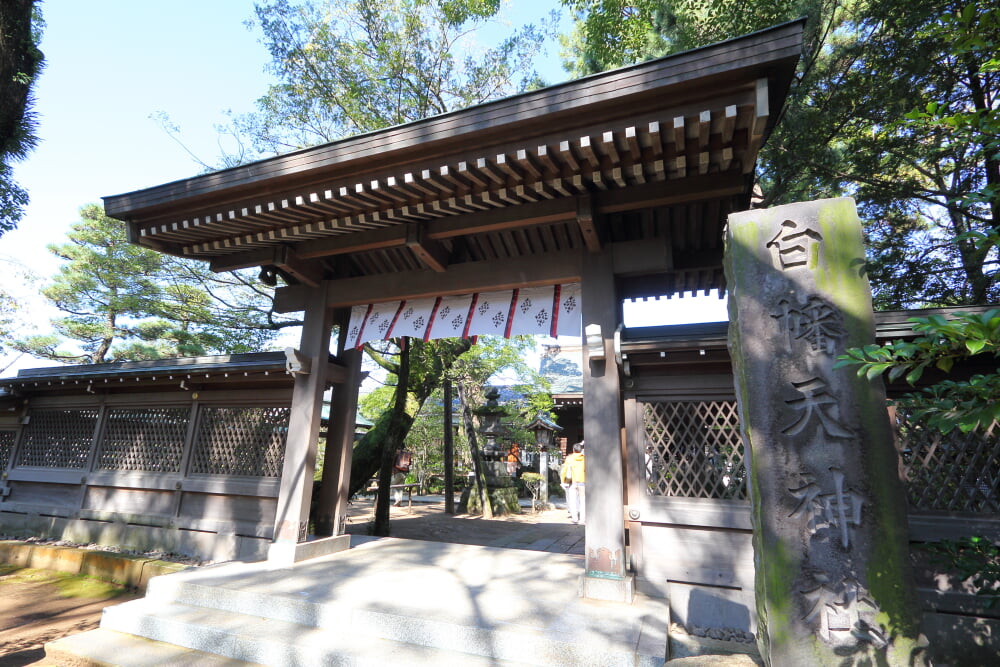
660 151
702 348
259 369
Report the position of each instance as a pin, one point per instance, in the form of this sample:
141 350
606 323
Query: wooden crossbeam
558 268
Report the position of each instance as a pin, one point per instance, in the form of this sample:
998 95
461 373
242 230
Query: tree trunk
449 453
477 464
396 432
367 456
368 452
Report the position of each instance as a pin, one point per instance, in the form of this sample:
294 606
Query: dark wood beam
500 219
693 260
374 239
639 257
669 193
585 219
336 373
662 193
305 271
530 271
243 260
433 255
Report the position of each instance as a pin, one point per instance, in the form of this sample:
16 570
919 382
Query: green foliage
20 64
974 559
430 363
912 180
533 483
613 33
125 302
347 67
11 309
923 180
965 404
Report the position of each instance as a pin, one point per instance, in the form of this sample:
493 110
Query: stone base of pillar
284 554
608 589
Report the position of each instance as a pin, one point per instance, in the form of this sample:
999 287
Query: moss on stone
503 500
778 563
843 247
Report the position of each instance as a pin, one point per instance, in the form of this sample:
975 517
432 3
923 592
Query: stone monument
830 532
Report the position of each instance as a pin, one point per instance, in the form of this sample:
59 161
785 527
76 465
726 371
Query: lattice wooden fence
143 439
240 441
957 472
168 472
6 446
694 450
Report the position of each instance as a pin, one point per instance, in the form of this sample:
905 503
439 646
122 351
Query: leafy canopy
922 183
125 302
966 404
20 64
347 67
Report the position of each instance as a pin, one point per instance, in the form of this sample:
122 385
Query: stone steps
419 603
108 648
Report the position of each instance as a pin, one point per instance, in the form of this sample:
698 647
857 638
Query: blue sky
110 65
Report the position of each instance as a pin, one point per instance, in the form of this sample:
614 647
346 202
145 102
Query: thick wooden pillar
605 577
292 518
331 516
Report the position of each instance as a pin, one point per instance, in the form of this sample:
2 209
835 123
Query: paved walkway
549 530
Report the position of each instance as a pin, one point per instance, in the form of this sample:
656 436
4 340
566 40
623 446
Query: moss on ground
69 585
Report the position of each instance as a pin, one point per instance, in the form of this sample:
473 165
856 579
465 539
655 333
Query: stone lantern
544 430
500 486
489 424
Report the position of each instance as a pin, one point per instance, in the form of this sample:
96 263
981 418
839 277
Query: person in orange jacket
513 459
574 479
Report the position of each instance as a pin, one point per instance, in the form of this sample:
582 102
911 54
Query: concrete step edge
336 613
109 648
237 601
256 638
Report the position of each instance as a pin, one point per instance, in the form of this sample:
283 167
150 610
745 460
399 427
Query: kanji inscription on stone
831 552
843 611
817 322
815 407
794 245
839 508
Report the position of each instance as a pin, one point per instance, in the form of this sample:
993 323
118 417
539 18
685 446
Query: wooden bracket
585 217
297 363
432 253
306 272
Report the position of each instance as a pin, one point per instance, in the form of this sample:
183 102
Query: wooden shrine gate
620 182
